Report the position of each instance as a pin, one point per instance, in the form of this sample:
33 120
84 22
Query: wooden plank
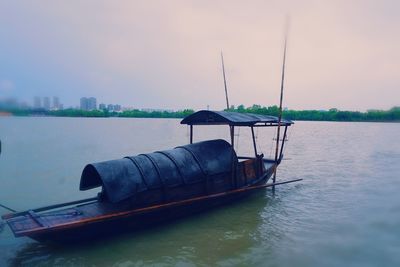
37 219
12 215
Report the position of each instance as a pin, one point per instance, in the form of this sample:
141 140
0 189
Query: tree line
332 114
134 113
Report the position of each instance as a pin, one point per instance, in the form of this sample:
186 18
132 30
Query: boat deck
34 221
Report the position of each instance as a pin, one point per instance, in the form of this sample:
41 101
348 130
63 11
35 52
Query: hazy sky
165 54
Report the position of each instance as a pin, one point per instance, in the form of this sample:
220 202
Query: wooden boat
151 188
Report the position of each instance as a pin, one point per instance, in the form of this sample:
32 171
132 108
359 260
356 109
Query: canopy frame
235 119
208 117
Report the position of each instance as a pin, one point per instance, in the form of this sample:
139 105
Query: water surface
346 212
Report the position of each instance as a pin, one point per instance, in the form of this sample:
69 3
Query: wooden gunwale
16 214
129 213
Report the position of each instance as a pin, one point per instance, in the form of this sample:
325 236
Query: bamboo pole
280 109
226 87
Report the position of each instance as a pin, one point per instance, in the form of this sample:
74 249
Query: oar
7 208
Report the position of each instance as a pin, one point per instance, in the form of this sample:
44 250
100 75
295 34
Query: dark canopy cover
123 178
208 117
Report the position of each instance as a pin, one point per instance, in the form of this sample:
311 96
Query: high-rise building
92 103
88 103
37 102
56 103
84 102
102 106
46 103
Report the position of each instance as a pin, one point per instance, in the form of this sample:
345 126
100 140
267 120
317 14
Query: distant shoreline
117 117
388 116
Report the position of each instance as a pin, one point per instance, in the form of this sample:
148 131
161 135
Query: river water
346 211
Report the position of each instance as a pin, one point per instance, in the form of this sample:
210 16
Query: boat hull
124 223
101 219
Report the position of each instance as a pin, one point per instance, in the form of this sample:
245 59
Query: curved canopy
189 164
208 117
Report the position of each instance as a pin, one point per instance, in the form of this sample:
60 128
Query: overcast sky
166 54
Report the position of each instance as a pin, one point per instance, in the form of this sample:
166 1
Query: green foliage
332 114
16 112
135 113
78 113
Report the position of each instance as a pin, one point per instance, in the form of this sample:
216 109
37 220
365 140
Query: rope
7 208
272 147
289 136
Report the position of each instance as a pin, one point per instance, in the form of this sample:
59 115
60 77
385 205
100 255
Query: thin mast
226 88
280 109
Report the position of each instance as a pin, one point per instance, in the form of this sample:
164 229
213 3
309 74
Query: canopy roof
208 117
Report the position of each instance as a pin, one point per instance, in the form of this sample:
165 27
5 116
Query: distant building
127 108
117 108
84 105
156 110
102 106
37 102
56 103
112 107
92 103
88 103
46 103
